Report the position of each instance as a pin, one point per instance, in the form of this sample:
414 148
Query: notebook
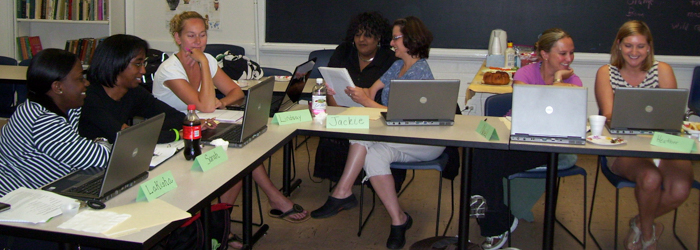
645 111
128 165
549 114
255 118
281 103
422 102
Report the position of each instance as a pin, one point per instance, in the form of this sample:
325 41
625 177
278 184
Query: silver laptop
128 165
422 102
645 111
255 118
281 103
549 114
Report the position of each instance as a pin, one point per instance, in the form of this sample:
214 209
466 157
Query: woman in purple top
555 48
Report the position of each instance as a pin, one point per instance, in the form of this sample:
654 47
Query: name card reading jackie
347 121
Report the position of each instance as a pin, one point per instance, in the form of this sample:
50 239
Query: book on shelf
84 10
84 48
35 44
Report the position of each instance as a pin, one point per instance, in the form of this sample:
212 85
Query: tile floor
340 231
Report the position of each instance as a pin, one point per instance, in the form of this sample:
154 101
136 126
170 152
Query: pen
485 119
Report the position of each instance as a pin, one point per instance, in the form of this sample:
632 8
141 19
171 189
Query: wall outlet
469 108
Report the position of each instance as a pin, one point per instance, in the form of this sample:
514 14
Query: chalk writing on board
633 13
648 3
680 26
694 14
695 2
697 27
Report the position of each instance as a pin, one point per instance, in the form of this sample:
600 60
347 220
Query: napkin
92 221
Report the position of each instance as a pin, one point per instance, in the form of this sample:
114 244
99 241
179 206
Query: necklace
364 60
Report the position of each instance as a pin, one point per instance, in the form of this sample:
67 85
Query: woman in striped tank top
632 65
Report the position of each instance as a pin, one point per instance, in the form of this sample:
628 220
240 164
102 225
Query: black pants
489 167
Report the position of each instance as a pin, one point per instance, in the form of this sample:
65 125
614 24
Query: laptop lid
128 163
257 108
644 110
422 102
296 85
549 114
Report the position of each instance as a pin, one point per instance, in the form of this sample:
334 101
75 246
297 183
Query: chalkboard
465 24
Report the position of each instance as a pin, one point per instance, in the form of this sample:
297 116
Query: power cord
308 164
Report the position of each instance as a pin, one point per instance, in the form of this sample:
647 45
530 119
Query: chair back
7 61
275 72
694 98
322 58
615 180
25 62
154 58
498 105
216 49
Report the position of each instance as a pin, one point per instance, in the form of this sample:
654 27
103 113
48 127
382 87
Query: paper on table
506 121
144 215
93 221
164 151
232 116
32 206
373 113
339 79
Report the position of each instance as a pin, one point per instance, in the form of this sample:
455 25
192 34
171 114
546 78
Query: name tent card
674 142
487 131
348 121
290 117
154 188
209 159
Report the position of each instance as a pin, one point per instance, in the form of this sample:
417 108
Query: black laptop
128 164
281 103
255 118
648 110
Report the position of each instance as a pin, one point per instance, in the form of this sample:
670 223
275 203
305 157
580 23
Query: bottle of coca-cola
192 133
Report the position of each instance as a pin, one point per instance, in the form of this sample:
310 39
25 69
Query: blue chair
216 49
25 62
696 185
7 61
12 94
322 58
275 72
499 105
438 164
694 96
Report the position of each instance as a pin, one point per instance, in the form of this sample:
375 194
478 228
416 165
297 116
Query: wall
146 19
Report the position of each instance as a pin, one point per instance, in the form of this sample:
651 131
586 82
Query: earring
60 92
647 51
620 49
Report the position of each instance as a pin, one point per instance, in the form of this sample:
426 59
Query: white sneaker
496 242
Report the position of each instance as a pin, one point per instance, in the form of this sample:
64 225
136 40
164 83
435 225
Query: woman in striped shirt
40 142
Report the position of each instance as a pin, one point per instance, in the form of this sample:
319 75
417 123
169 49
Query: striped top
38 146
651 80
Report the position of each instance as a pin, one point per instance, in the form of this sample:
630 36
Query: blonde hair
631 28
547 40
177 24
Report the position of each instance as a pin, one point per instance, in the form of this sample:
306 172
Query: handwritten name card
487 131
154 188
291 117
210 159
673 142
347 121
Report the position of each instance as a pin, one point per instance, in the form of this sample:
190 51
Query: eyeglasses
140 64
396 37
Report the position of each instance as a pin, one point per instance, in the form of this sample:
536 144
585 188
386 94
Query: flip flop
235 239
276 213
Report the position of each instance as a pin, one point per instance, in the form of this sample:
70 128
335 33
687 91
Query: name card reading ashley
487 131
154 188
673 142
209 159
291 117
347 121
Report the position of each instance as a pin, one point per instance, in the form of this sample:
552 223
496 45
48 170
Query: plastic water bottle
192 133
318 97
510 57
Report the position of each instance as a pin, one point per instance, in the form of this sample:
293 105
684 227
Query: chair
438 164
694 96
696 185
499 105
275 72
7 61
25 62
322 58
216 49
12 94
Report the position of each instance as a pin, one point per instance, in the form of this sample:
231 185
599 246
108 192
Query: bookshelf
55 33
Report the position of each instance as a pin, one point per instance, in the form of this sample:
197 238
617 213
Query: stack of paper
32 206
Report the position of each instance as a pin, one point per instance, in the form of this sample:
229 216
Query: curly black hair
372 23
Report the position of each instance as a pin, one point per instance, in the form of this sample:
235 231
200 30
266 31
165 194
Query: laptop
281 103
128 164
255 118
549 114
422 102
645 111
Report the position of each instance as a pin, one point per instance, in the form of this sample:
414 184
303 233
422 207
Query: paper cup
597 123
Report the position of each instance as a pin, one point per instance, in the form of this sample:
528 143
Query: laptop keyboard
91 187
233 134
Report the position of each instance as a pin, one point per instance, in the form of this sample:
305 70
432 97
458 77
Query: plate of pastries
497 78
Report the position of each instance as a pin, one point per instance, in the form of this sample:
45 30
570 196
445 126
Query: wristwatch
104 142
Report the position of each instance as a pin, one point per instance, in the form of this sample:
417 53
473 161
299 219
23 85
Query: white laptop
422 102
645 111
549 114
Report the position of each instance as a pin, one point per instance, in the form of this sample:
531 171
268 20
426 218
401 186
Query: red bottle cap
191 107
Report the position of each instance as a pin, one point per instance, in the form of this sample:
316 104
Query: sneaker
477 207
496 242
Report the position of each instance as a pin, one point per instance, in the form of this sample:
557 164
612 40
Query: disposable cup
597 123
